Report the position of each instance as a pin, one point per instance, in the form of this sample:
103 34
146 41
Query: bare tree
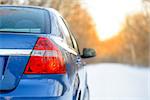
64 6
136 31
6 1
37 2
146 6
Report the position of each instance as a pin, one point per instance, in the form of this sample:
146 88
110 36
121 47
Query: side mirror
88 53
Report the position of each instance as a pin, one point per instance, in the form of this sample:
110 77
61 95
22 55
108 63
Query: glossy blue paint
13 72
2 66
14 65
17 41
30 88
37 89
17 86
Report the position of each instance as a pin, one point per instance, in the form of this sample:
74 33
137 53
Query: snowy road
118 82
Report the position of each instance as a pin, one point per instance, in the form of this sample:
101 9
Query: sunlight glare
110 14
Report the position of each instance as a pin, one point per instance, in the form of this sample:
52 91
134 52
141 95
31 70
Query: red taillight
46 58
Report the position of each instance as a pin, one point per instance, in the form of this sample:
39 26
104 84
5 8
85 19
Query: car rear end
32 66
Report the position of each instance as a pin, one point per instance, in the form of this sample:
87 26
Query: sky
109 15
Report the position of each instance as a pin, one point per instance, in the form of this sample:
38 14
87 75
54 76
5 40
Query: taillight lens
46 58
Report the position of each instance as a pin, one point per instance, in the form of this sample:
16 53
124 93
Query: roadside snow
118 82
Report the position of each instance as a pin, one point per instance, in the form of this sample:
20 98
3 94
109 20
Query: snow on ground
118 82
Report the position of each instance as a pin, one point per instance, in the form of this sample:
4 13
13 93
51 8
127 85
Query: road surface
118 82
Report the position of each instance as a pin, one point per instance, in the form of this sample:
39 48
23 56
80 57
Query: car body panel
29 87
38 87
15 63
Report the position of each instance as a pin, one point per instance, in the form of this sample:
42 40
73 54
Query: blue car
39 56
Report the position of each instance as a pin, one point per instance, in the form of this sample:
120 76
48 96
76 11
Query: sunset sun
109 15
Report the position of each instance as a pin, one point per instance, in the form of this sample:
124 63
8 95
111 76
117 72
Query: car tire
86 94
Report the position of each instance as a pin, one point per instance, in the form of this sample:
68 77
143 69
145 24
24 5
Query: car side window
74 42
56 31
64 30
75 45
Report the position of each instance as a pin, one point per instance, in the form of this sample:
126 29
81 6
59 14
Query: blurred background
119 31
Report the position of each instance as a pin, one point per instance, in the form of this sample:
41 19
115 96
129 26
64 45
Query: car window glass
75 46
74 42
25 20
56 28
65 31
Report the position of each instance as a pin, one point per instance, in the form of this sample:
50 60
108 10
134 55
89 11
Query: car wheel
86 94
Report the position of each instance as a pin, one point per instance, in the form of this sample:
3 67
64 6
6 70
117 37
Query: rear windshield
22 20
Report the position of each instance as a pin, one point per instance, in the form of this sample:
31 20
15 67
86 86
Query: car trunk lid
15 50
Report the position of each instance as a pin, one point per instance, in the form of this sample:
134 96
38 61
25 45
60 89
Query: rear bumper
38 89
37 98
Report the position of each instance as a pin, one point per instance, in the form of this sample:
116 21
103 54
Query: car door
60 31
78 62
80 66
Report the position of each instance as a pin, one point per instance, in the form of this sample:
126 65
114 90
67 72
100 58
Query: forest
130 46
